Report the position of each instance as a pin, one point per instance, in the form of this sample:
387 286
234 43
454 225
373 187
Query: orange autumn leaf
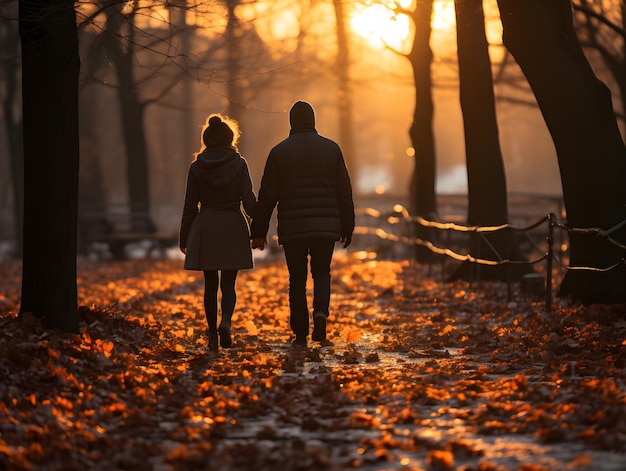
350 335
440 459
583 460
252 328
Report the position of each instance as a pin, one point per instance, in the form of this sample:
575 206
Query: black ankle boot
319 327
225 340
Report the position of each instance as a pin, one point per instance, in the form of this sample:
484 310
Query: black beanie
302 116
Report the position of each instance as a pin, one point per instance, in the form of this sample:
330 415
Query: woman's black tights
225 280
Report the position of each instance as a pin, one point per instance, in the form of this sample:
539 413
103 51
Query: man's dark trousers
296 255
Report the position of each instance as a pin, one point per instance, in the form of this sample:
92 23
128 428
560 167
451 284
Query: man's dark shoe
213 341
319 327
299 341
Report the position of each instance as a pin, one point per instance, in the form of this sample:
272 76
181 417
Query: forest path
415 374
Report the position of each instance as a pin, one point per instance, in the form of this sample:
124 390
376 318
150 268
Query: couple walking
306 177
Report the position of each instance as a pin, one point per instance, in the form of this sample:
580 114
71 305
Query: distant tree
242 53
50 69
422 186
234 61
10 68
487 189
122 56
579 114
344 102
142 64
92 198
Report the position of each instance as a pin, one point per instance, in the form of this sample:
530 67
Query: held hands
258 243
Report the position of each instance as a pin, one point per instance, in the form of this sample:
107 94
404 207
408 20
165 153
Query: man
306 176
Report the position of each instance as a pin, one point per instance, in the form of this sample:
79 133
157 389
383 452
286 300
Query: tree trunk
132 109
13 126
189 140
51 66
92 201
137 170
487 193
578 111
344 100
234 89
423 201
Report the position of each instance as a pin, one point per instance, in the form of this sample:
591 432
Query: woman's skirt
219 239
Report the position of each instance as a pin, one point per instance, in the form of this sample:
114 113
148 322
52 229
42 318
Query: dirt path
416 374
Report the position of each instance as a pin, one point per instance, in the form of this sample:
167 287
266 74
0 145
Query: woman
214 231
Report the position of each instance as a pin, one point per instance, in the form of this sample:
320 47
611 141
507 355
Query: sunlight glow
284 25
381 27
275 21
444 17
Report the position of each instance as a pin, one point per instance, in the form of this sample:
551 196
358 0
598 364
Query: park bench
103 236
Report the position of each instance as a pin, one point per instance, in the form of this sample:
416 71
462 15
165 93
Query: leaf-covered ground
416 374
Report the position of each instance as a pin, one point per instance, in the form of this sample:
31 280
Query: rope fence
400 218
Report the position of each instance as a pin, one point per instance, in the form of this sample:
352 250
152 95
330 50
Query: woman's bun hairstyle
218 133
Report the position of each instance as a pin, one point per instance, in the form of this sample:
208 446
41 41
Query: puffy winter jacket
306 178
